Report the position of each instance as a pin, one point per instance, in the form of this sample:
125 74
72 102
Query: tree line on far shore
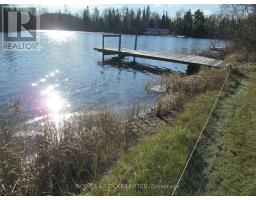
236 23
135 21
131 21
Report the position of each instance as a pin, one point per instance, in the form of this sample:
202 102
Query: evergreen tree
136 21
199 24
187 24
86 18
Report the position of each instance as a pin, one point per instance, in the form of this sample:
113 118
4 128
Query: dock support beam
119 46
103 48
135 47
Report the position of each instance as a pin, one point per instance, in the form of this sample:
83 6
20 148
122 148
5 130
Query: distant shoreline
169 35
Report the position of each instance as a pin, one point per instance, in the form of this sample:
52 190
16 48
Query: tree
187 23
136 21
241 28
199 24
86 18
178 24
139 25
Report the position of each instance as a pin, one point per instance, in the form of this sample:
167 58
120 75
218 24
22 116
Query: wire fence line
200 135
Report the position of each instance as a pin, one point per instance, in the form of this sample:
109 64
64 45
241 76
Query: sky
170 8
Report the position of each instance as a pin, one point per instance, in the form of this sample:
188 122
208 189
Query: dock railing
111 35
119 44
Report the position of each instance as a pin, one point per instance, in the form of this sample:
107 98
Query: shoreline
168 132
83 31
111 141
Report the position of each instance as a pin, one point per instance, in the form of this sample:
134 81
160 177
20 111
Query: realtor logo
19 26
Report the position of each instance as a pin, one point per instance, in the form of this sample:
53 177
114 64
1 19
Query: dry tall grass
56 161
241 56
183 88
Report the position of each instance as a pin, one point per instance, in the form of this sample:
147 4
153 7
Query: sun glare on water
56 105
59 36
53 104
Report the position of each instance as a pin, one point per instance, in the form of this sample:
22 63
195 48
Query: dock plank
177 58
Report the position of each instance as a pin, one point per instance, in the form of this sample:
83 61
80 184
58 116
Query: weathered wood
103 48
111 35
176 58
119 44
135 44
135 47
119 47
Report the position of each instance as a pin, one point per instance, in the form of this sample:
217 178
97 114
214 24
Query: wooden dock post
103 36
135 46
119 46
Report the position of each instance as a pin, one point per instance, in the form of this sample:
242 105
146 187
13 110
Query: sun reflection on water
53 103
56 106
59 36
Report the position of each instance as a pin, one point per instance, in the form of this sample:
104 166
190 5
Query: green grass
223 164
231 155
157 161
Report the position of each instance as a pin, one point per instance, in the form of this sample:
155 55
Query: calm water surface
66 74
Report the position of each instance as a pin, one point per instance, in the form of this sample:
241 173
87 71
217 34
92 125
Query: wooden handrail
111 35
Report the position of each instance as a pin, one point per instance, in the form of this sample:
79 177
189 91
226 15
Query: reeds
57 161
182 88
50 159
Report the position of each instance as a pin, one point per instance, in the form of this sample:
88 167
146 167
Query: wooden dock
176 58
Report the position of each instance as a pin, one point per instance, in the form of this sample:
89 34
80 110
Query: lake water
66 74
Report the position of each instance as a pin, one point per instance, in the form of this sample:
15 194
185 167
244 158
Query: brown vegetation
57 160
240 56
181 89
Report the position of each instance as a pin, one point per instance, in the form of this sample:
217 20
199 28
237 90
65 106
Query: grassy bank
223 163
229 150
157 161
153 166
